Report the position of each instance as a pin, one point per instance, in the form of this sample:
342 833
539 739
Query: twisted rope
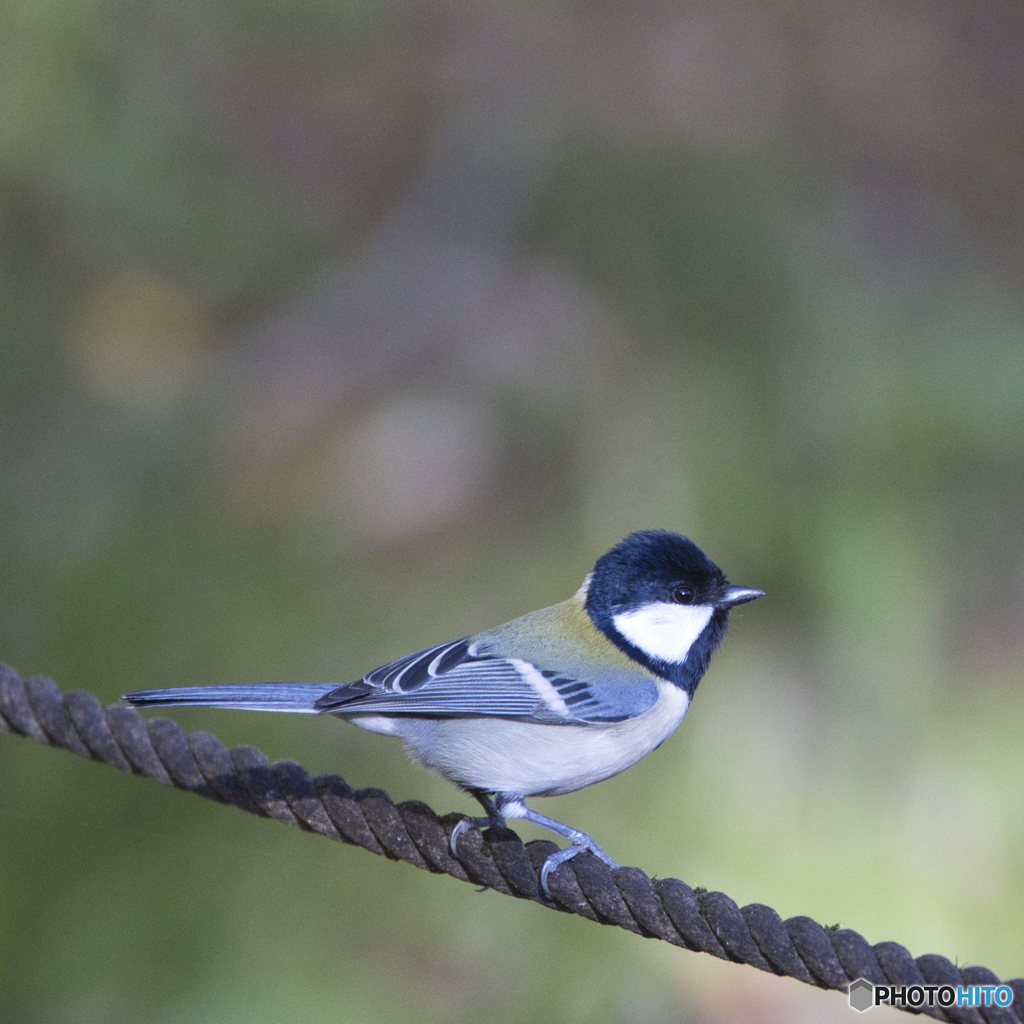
665 909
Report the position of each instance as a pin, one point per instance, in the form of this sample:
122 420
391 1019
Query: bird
546 704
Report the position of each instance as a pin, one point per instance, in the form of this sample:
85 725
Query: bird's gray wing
453 679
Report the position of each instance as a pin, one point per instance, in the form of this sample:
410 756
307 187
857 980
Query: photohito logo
864 995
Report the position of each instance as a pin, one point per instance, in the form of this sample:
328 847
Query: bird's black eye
683 595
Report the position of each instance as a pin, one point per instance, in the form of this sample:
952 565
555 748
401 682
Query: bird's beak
739 595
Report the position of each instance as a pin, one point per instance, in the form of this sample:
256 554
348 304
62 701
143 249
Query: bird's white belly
527 759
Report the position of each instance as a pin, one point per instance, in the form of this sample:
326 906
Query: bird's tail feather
295 697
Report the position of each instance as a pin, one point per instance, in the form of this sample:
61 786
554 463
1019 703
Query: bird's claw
561 856
579 841
465 824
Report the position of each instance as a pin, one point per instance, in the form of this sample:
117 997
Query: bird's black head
660 599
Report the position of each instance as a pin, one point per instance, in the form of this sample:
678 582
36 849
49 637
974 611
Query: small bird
546 704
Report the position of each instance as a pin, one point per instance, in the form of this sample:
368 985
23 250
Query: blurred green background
334 329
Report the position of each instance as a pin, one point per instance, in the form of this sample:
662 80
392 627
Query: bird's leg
500 806
513 807
494 818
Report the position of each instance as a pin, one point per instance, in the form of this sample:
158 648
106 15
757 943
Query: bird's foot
467 823
500 806
580 842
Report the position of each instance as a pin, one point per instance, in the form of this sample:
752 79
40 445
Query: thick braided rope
665 909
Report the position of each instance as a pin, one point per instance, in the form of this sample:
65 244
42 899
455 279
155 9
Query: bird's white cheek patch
664 631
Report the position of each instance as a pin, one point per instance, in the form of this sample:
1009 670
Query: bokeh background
337 328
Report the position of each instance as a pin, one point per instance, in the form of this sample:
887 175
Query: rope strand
666 909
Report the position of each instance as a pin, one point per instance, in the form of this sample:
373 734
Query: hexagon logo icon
862 994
